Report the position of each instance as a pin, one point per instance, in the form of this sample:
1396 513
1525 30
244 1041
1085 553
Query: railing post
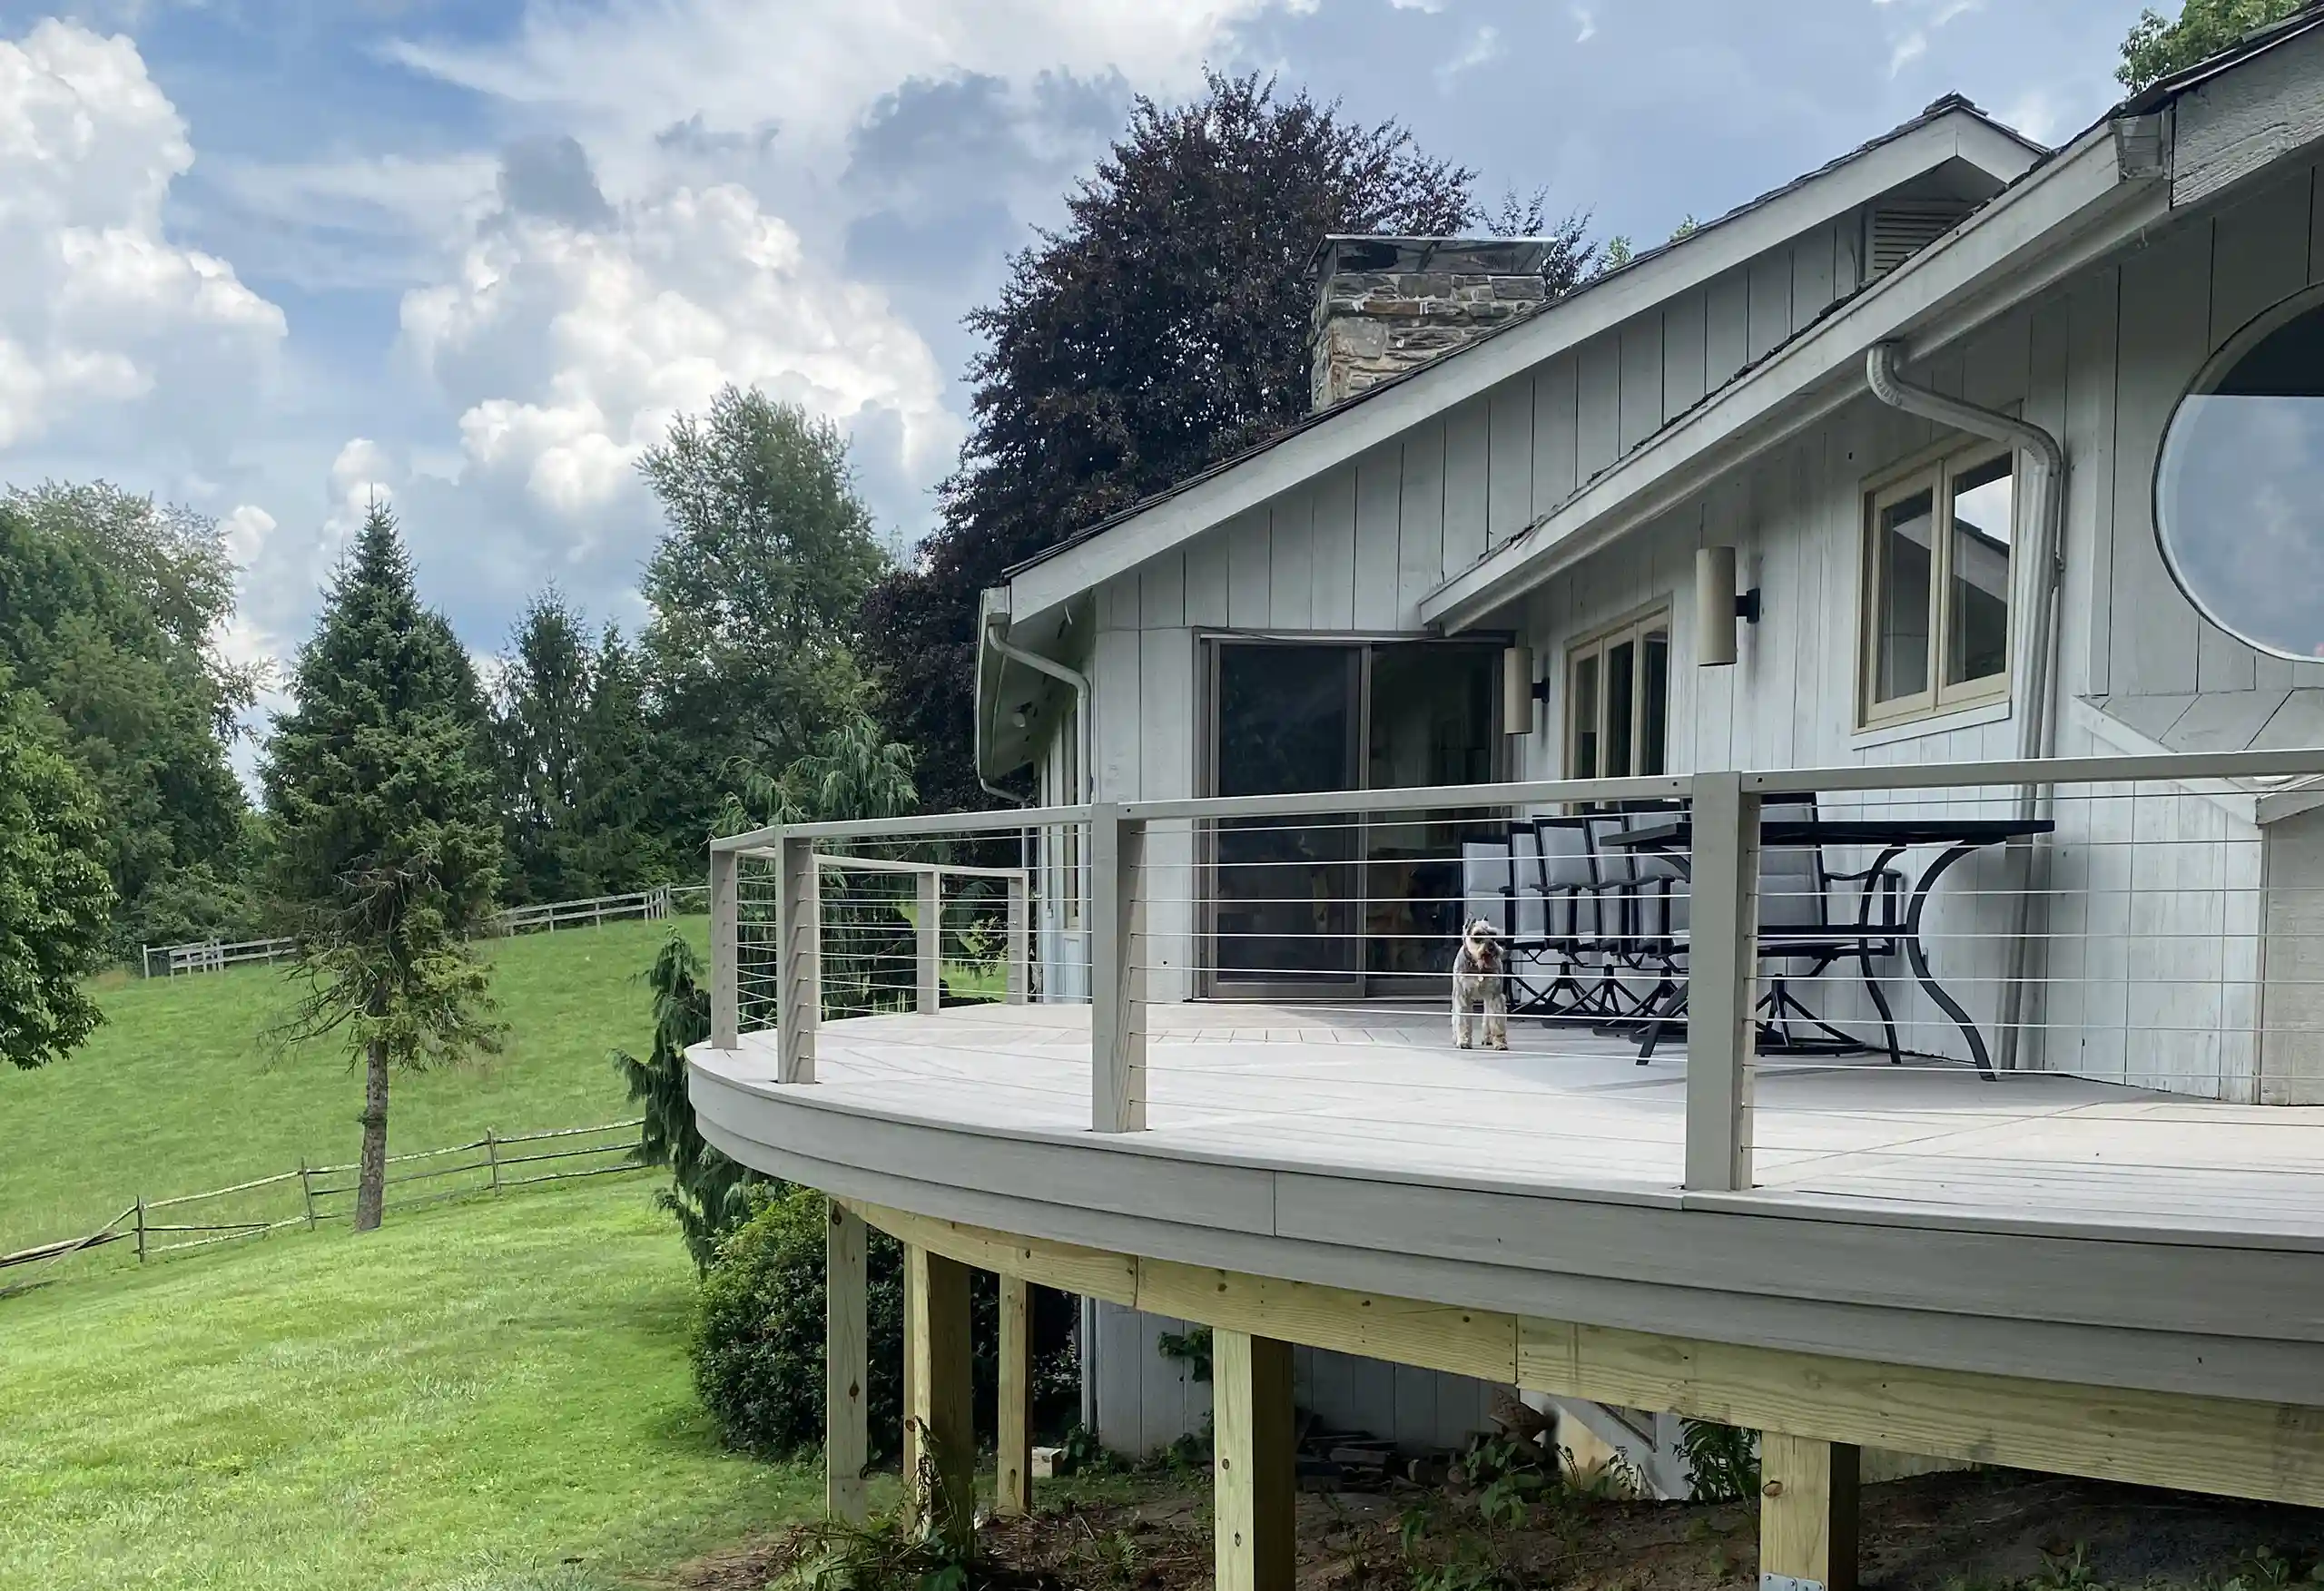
1020 980
726 966
141 1229
1721 983
1117 971
929 933
798 960
492 1156
307 1189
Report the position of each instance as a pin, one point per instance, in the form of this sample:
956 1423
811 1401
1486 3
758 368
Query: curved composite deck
2088 1233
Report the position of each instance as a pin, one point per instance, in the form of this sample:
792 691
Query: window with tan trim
1936 607
1618 701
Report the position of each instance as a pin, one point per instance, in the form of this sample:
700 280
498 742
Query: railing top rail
996 822
1413 797
2290 763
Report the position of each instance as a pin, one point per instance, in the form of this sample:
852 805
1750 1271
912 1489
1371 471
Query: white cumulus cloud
568 346
98 306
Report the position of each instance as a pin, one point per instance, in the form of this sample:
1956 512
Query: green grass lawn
176 1092
490 1395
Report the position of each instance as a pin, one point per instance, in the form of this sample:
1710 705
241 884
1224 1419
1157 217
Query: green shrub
757 1344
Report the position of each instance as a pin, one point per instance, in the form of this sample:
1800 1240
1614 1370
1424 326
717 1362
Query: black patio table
1894 836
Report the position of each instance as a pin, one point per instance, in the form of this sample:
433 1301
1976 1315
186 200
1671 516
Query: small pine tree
387 835
55 901
707 1194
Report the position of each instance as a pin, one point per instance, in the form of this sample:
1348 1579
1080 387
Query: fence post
307 1190
1116 974
929 933
141 1229
1020 979
798 960
1722 980
492 1156
725 1030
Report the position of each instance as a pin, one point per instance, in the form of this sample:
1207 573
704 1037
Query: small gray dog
1480 989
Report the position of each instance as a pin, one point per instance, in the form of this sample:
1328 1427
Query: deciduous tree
387 834
2158 47
55 898
1162 328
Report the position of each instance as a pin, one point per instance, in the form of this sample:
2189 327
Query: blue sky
287 253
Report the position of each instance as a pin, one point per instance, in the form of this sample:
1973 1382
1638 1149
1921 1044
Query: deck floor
1384 1091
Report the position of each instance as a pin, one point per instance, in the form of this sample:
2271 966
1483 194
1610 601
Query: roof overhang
2173 148
1078 566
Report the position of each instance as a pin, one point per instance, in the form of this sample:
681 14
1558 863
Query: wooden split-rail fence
652 905
266 1204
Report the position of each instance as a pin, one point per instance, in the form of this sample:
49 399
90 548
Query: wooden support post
944 1478
1256 1476
910 1387
1808 1514
1013 1467
928 936
847 1445
798 960
1117 973
307 1190
492 1156
1721 983
725 964
141 1229
1021 981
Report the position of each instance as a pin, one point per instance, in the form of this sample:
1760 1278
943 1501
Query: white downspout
2037 727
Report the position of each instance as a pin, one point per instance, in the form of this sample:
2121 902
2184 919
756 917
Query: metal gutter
2037 727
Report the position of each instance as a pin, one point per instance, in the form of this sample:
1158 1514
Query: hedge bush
757 1343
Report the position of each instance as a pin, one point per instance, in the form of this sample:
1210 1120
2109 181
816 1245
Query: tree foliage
756 589
388 836
108 603
1162 328
707 1194
543 698
55 898
2158 47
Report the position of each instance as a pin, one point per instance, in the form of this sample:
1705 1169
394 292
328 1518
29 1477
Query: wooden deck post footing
1257 1469
846 1364
1013 1449
1808 1514
941 1415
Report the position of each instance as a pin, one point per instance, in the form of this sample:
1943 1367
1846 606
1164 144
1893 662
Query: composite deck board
1373 1091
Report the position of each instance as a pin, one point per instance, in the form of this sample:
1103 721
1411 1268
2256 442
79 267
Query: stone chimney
1383 305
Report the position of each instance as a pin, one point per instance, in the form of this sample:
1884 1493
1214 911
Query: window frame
1936 476
1634 627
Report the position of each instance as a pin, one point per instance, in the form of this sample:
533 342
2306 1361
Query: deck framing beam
2232 1447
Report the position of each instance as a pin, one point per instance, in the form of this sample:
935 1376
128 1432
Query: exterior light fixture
1717 605
1519 689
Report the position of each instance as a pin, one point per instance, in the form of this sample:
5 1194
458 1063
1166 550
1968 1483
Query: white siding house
1550 484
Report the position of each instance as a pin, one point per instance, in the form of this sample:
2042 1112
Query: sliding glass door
1332 906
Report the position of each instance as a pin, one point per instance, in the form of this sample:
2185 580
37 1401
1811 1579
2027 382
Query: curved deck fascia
2224 1315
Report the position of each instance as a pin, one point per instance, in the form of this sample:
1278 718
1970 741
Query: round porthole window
2239 491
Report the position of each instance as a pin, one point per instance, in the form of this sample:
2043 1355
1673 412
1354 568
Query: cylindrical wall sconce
1519 689
1717 606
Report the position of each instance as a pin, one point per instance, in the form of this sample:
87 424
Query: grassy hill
177 1094
490 1395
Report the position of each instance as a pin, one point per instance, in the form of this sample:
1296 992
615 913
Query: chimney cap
1473 256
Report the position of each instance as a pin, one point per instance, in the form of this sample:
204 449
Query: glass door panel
1284 913
1431 721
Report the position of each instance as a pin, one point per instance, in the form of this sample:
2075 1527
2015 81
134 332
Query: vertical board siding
1683 354
1333 605
1249 549
2166 306
1598 422
1640 344
1291 571
1726 327
1555 436
1420 523
1207 578
1379 566
1468 457
2090 480
1508 495
1771 314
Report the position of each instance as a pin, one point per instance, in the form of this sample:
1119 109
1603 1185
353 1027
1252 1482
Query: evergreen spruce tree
618 847
543 695
706 1191
387 834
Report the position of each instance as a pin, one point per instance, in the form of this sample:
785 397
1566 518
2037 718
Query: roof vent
1896 233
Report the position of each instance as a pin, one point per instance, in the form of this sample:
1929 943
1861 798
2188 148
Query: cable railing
1817 980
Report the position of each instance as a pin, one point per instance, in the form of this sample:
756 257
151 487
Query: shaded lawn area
178 1094
491 1395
